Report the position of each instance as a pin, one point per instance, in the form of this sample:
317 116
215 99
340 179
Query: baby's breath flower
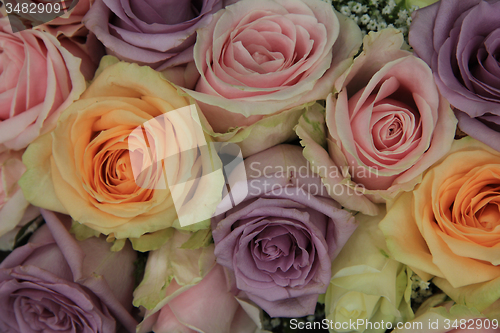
372 25
419 289
365 19
357 8
381 25
375 15
403 14
275 322
345 10
354 18
387 10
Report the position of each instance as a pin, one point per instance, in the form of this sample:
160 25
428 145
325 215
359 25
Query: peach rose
385 127
30 107
84 169
449 226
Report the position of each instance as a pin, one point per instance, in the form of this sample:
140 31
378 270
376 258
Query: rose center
272 252
47 316
488 216
394 129
260 58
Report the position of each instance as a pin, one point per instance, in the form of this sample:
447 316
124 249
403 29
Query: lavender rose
463 52
57 284
281 239
156 33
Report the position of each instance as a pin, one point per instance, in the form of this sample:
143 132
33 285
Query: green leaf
152 241
201 238
24 233
169 262
82 232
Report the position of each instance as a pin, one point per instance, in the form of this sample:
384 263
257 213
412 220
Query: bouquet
250 166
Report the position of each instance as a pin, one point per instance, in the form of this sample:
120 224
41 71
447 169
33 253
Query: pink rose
208 307
260 57
57 284
30 107
281 238
15 210
387 125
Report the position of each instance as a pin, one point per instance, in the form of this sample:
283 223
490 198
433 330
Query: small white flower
408 21
357 8
400 21
345 10
275 322
372 25
354 18
403 14
387 10
381 25
365 19
374 3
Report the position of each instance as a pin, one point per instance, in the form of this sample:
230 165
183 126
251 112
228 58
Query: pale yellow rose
367 285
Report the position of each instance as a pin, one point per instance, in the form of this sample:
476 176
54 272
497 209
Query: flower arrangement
250 166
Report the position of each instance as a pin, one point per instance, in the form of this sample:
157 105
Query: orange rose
449 226
83 168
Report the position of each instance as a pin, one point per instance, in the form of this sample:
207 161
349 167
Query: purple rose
157 33
460 40
281 239
58 284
